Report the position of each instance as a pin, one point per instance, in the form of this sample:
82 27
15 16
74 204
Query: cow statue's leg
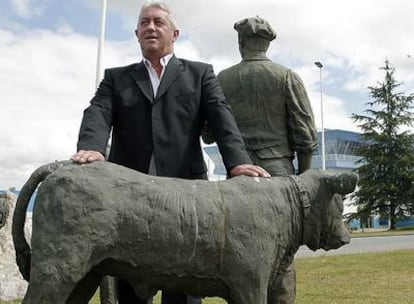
85 289
249 295
107 290
248 289
59 273
46 292
47 288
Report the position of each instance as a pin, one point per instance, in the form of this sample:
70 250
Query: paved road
363 245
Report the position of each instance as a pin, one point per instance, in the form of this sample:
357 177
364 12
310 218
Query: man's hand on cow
83 157
249 170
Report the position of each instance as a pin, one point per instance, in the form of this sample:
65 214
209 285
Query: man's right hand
83 157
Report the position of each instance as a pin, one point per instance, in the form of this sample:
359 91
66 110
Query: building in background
340 150
340 153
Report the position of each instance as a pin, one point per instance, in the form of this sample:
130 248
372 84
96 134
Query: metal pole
320 66
101 44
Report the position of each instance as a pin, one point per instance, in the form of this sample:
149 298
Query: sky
48 60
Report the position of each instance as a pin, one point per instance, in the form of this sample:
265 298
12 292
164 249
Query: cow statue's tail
19 217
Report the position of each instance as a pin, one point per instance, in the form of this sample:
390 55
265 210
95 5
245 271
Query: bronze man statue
273 113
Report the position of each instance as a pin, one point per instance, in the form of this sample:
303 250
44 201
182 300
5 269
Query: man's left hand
249 170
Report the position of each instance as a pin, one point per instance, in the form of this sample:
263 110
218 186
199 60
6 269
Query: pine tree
386 172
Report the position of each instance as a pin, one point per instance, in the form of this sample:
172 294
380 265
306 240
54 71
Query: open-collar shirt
155 80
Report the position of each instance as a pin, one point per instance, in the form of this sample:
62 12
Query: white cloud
28 8
48 76
47 80
352 38
355 36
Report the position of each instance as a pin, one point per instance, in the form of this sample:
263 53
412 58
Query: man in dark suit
156 110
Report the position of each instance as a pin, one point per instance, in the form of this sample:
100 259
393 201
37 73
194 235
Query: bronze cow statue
228 238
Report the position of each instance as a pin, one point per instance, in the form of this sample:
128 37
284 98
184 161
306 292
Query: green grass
380 278
386 277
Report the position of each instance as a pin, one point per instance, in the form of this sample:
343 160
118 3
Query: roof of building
342 135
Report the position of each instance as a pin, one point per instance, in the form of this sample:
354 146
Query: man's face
155 33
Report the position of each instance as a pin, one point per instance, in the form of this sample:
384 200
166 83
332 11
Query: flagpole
101 44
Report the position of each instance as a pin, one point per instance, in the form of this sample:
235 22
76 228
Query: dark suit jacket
168 125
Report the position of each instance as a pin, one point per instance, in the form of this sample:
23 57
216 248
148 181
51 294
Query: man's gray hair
161 5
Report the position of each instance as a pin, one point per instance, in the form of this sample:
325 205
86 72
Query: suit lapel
141 78
172 71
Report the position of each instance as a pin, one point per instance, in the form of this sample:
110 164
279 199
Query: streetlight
320 66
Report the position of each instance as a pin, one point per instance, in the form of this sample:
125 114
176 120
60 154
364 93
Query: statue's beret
255 27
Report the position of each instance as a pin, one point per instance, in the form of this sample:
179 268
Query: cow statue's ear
343 183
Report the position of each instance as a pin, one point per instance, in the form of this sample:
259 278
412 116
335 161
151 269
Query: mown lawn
380 278
386 278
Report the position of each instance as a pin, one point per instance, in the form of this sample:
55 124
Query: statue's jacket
271 107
